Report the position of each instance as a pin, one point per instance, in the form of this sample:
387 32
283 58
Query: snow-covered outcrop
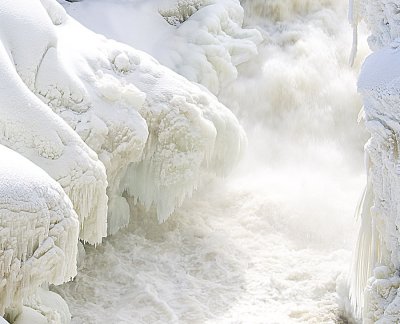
110 124
203 40
30 127
376 279
38 231
126 107
154 131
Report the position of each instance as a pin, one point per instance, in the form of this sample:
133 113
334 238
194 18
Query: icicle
368 249
353 20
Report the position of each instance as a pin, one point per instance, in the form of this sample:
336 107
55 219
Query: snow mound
30 127
39 232
203 40
154 131
375 277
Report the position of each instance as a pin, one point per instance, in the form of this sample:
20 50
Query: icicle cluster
38 231
111 127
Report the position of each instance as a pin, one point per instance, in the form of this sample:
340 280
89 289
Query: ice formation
376 278
203 40
39 232
29 127
166 130
107 122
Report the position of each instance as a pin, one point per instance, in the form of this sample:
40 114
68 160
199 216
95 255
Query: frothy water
272 243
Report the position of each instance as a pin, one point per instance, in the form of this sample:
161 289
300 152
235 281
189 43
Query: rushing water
271 244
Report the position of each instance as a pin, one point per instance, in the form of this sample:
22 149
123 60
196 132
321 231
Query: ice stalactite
111 125
39 232
167 131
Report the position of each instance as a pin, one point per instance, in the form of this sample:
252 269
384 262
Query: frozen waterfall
120 121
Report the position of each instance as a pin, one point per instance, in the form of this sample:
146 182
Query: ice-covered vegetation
105 127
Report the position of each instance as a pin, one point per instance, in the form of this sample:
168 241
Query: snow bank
376 278
29 127
110 124
203 40
154 131
39 232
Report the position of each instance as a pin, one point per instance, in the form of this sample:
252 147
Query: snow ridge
111 126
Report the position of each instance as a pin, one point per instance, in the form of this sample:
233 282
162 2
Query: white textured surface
39 231
376 279
206 48
129 127
29 127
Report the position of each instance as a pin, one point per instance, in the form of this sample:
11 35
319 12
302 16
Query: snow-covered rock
154 131
110 124
29 127
39 231
376 279
203 40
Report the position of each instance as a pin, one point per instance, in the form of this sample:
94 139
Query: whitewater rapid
271 244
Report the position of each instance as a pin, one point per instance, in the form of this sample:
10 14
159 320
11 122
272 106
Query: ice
375 274
39 232
200 39
167 131
128 140
111 125
29 127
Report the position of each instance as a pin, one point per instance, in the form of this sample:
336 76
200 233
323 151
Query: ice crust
39 231
203 40
30 128
376 278
107 122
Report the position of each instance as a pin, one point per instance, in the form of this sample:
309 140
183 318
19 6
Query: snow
206 48
30 128
39 231
116 139
111 125
375 277
167 130
272 244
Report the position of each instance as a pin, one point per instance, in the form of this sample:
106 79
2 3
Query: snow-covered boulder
203 40
38 232
376 278
29 127
154 131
